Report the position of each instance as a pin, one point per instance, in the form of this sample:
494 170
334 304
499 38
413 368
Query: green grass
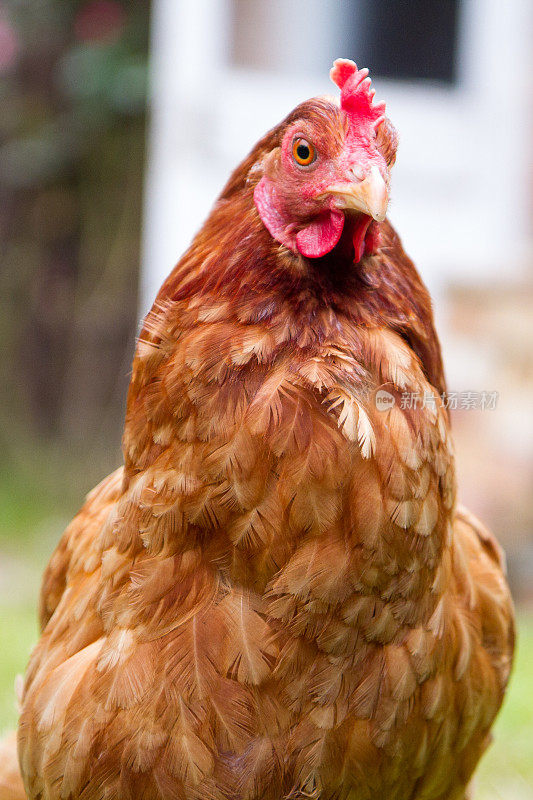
18 633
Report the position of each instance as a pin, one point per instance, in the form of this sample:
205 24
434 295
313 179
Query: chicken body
277 596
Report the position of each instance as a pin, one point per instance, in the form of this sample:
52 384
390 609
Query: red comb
356 95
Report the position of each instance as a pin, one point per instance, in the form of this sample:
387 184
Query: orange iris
303 152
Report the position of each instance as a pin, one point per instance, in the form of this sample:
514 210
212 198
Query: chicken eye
303 152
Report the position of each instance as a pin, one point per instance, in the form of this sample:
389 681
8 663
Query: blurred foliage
73 82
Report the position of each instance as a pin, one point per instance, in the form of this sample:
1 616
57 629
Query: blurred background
120 121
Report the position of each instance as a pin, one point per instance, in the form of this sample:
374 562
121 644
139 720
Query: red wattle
321 235
372 240
358 237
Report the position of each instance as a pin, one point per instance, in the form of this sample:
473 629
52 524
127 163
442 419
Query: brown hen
277 596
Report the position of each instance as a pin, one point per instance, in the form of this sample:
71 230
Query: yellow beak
371 195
